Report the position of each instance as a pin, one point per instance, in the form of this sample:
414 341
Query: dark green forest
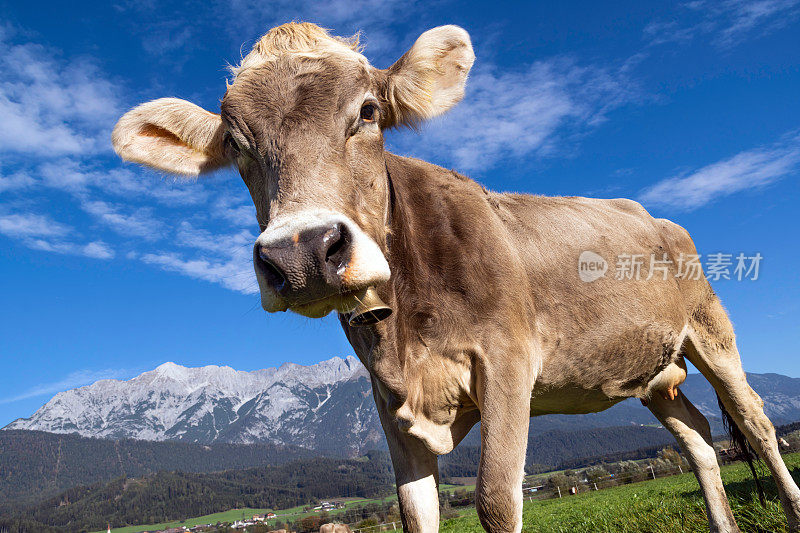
174 495
35 464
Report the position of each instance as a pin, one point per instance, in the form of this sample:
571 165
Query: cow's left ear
172 135
429 79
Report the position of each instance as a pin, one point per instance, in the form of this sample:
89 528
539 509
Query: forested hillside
174 495
35 464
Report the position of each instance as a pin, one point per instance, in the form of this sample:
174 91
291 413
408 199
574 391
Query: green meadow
225 516
664 505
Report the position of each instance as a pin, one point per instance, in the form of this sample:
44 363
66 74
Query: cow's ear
172 135
429 79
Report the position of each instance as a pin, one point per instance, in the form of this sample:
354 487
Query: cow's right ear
172 135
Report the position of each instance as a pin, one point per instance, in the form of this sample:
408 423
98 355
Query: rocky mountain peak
216 403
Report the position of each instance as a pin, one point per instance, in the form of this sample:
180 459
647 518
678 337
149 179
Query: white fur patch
423 497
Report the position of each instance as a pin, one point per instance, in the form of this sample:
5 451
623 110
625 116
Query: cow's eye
231 145
369 113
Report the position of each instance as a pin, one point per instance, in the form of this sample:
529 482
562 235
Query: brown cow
491 320
334 528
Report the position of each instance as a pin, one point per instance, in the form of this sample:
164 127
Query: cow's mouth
361 308
320 307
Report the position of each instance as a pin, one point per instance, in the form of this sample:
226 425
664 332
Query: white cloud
226 259
49 106
234 210
518 114
98 250
80 178
204 240
95 249
234 274
20 226
747 170
40 232
17 180
727 22
140 223
75 379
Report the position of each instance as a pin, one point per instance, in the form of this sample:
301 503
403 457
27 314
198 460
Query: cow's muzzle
308 263
315 263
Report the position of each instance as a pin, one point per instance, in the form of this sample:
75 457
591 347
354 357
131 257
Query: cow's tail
742 448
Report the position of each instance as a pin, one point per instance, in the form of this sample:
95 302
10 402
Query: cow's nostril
336 241
273 275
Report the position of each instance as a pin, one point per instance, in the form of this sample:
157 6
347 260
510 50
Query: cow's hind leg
712 349
693 434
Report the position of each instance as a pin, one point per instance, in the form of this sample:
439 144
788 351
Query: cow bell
371 310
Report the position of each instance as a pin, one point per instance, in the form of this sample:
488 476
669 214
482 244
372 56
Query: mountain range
326 407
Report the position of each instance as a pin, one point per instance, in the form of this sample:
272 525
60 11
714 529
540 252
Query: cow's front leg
505 415
416 472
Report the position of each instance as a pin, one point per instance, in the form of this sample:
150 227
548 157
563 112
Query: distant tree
596 474
670 456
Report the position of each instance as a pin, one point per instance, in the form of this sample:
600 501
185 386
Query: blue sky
107 270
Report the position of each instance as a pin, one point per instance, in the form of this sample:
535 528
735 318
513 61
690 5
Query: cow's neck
448 264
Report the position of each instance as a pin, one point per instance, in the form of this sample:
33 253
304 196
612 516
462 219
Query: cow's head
303 121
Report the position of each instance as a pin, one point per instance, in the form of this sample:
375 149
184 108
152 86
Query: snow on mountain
326 406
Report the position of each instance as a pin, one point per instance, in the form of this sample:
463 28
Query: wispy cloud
236 210
747 170
40 232
225 259
15 180
138 223
19 226
94 249
49 106
75 379
235 273
85 178
518 114
726 23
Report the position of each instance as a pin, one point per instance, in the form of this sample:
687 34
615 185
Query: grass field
236 514
665 505
225 516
